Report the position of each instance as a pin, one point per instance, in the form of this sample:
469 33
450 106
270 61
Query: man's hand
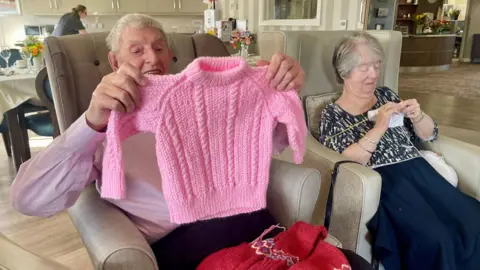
116 92
284 72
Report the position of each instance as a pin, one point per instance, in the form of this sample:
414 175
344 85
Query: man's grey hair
134 20
346 56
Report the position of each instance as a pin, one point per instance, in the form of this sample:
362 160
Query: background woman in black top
70 23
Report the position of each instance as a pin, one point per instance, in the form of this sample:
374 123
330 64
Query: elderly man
53 180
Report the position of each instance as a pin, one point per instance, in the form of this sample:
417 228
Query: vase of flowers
420 21
34 48
242 40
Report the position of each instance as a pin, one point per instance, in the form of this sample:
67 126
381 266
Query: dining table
16 88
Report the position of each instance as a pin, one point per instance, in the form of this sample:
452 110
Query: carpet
461 80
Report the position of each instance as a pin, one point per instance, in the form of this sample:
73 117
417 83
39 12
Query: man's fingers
274 65
285 67
130 86
132 72
289 77
110 103
122 96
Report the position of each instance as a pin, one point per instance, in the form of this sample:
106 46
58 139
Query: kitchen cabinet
129 6
162 6
116 6
191 6
101 7
33 7
49 7
64 6
176 7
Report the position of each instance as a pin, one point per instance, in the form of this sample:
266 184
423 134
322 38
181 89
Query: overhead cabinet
115 7
49 7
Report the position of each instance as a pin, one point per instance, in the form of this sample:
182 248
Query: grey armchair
357 190
75 66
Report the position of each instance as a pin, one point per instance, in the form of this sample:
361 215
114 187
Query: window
290 12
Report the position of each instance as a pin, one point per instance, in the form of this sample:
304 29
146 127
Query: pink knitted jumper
213 126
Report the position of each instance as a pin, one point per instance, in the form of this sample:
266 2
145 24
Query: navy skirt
423 222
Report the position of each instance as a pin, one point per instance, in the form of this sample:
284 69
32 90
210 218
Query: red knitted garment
299 248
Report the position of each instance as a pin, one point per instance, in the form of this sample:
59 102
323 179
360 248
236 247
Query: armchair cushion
314 106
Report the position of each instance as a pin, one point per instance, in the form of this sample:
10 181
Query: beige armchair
75 66
357 190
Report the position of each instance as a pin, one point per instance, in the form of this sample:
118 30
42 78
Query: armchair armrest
111 239
464 158
356 197
292 192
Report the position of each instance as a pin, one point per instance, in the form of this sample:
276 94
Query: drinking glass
27 55
5 54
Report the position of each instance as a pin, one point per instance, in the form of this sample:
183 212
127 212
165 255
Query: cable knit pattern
213 125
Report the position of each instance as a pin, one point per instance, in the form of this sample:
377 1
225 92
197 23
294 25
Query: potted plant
34 48
454 14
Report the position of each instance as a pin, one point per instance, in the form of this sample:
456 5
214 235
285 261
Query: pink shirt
52 181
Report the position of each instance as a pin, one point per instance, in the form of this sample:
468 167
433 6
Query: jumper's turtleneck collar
217 70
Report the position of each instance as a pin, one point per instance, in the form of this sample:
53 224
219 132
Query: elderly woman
422 221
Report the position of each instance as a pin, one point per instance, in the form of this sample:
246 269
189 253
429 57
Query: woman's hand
116 92
411 109
284 72
384 113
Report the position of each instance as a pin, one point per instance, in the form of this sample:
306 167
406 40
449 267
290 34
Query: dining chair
30 117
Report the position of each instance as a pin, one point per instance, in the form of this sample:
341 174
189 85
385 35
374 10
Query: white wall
12 27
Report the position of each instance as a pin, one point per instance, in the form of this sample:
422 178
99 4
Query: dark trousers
187 246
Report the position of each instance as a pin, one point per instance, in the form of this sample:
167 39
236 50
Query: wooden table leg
17 129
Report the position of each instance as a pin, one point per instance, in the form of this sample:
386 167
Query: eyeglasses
366 66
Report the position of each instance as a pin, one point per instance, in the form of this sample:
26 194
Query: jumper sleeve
286 108
120 127
52 180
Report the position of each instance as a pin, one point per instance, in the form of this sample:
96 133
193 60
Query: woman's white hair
133 20
346 57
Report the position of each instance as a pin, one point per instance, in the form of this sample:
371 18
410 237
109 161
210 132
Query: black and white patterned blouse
339 129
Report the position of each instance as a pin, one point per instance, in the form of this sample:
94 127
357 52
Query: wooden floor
54 237
57 239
